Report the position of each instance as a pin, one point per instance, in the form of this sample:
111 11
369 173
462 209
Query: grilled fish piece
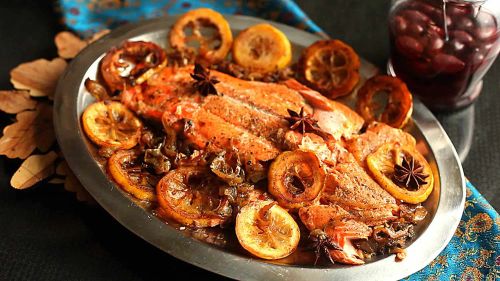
318 216
246 114
343 233
376 135
209 128
350 186
242 115
341 228
333 117
171 85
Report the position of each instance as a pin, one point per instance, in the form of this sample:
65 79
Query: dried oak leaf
39 76
72 184
68 44
62 168
34 169
96 36
33 129
14 102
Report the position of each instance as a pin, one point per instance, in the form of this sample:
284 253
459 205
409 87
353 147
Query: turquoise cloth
472 254
89 16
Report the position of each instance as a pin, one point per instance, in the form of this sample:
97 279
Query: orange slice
399 105
381 164
204 32
266 230
127 172
262 48
111 124
331 67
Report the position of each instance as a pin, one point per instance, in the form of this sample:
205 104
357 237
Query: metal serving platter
445 204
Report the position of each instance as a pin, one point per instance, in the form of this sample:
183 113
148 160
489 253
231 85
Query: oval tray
445 204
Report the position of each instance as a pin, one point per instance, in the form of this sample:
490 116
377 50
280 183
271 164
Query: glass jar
443 48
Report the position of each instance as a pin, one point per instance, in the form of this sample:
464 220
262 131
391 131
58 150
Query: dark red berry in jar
409 46
458 10
421 6
415 29
433 44
399 25
439 19
449 21
447 63
415 16
432 28
464 23
456 47
484 19
420 68
487 47
477 58
487 33
463 37
486 27
490 48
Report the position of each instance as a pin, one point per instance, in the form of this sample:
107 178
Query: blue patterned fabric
474 251
472 254
89 16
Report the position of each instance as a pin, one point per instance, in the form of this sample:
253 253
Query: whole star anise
322 244
304 123
409 174
204 83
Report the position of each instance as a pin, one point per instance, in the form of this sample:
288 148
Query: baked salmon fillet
248 115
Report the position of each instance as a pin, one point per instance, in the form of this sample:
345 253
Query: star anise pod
304 123
322 244
204 83
409 174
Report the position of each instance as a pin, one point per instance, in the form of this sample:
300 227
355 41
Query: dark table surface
48 235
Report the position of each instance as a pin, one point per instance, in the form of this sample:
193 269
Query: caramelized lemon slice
382 163
331 67
204 32
262 48
266 230
296 179
129 175
111 124
133 62
397 111
190 195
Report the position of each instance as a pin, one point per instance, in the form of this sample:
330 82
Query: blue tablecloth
472 254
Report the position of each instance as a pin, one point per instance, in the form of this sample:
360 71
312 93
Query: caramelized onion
96 89
412 213
157 160
227 167
395 234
